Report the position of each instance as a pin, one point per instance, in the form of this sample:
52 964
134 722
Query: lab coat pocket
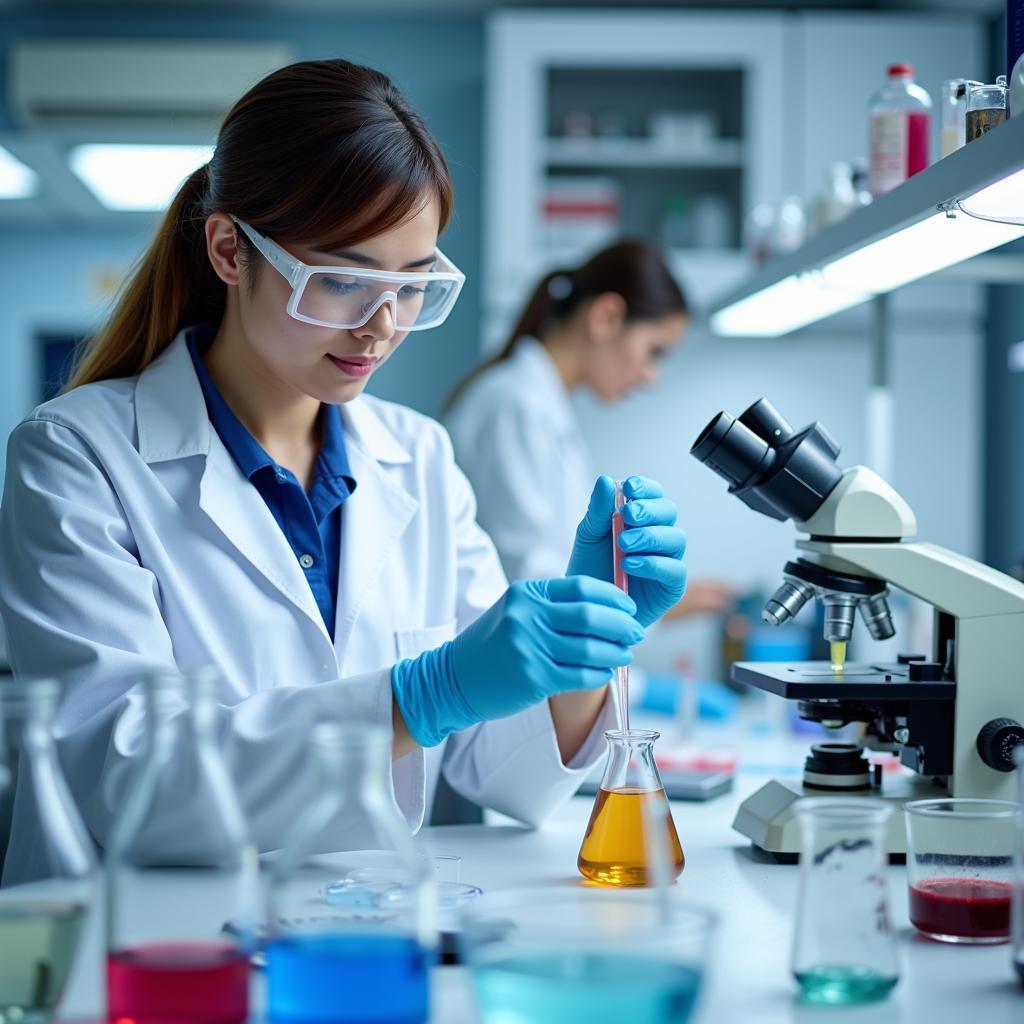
409 643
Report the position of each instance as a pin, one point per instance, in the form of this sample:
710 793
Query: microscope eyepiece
731 449
775 471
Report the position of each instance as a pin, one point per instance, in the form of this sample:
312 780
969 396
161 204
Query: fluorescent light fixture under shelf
17 180
783 307
136 177
931 244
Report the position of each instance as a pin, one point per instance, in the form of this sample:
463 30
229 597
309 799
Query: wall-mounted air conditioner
118 87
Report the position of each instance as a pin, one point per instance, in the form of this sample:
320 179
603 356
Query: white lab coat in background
517 439
130 538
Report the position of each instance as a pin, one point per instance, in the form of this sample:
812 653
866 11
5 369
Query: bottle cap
899 70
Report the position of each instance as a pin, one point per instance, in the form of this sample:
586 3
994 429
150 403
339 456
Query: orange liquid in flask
613 850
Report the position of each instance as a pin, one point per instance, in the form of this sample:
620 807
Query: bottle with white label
900 115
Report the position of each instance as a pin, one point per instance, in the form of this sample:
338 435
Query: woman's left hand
653 546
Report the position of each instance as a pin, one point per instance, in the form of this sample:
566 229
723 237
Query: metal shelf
978 164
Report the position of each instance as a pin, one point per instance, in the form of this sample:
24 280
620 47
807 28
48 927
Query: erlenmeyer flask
363 953
613 850
181 815
41 923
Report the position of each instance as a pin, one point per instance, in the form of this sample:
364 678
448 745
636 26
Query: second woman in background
603 327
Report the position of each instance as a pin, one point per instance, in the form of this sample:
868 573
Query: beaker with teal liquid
844 946
555 956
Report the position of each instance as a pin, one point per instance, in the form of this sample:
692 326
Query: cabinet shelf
640 153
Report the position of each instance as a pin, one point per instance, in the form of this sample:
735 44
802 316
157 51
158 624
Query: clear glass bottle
42 921
900 122
839 199
986 107
180 843
844 948
614 849
954 113
359 949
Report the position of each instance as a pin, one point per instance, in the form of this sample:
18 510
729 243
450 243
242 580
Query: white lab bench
749 980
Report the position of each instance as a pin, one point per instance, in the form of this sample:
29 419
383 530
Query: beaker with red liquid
960 855
1017 902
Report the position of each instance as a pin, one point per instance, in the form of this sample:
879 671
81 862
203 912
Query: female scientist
603 327
214 488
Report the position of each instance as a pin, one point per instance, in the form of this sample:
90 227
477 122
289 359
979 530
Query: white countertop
749 978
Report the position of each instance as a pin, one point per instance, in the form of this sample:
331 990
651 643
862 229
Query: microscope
952 716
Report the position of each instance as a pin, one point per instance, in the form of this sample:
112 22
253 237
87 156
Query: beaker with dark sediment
616 846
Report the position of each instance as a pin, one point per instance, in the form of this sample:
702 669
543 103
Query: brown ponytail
173 284
632 268
325 153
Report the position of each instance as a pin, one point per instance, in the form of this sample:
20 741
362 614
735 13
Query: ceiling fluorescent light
17 181
136 177
783 307
931 244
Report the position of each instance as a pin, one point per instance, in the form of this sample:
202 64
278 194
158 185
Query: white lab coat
517 439
130 538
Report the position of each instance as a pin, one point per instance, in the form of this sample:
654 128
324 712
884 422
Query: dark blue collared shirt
311 522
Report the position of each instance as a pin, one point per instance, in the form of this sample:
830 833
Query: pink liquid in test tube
622 582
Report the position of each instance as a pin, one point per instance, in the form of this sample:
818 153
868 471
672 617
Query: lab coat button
306 561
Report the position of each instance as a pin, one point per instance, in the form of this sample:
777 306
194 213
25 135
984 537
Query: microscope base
766 817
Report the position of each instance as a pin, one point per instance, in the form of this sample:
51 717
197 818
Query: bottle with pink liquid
178 845
900 115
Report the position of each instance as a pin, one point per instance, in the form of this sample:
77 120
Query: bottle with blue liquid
367 958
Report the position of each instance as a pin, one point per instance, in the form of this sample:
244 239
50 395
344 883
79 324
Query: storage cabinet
600 125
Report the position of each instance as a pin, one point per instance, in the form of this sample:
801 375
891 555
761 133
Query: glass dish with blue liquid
550 956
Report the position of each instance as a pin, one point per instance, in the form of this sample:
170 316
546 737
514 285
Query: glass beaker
42 921
560 956
614 849
368 957
844 948
960 868
181 824
986 108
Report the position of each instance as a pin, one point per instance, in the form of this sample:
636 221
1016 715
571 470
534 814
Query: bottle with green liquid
41 924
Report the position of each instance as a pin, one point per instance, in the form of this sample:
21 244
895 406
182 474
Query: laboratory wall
58 278
1004 429
1003 459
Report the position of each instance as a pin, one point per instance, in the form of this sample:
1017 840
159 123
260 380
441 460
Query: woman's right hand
541 638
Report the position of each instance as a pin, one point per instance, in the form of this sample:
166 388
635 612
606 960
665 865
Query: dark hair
324 152
632 268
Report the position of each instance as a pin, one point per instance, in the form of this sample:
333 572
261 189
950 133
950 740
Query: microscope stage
815 680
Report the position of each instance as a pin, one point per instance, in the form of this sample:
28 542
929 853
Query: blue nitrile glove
543 637
652 542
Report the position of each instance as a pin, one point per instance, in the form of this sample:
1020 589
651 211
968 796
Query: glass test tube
622 582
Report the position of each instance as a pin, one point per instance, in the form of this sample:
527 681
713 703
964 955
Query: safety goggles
347 297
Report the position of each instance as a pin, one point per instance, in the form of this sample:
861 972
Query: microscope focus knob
997 741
